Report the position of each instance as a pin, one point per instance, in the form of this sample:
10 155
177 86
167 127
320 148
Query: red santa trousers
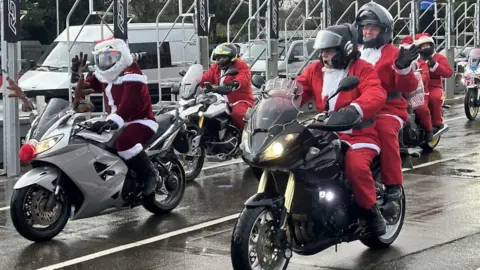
238 113
129 142
388 128
424 116
358 173
435 104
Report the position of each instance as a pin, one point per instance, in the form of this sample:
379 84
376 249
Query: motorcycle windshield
275 111
474 59
190 80
55 109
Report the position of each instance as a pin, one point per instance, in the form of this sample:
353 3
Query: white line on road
140 243
194 228
4 208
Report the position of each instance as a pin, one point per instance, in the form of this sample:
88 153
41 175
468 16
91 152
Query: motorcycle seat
164 121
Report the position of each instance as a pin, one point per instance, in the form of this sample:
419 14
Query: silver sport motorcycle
76 173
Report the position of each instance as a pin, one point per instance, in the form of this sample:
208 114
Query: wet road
441 231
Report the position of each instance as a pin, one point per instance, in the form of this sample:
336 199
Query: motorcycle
413 134
471 103
304 204
76 173
210 131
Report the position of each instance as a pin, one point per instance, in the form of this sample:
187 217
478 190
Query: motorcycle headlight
245 145
48 143
276 148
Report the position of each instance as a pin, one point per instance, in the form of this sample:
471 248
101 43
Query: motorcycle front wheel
31 218
471 111
253 241
193 164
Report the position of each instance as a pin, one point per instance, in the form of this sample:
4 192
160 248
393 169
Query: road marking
4 208
455 118
140 243
193 228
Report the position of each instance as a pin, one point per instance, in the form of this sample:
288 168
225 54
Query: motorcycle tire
240 241
470 98
159 208
393 231
428 147
22 225
198 167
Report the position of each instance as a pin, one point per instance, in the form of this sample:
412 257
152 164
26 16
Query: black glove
233 84
430 61
79 64
223 90
406 57
344 116
101 126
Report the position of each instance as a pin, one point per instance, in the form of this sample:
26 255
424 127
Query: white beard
331 78
371 55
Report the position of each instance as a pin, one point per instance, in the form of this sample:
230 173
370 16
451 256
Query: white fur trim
359 109
130 153
366 145
423 40
117 119
371 55
331 79
146 122
396 117
434 67
111 103
403 71
134 78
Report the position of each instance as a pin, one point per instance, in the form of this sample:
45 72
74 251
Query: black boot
429 136
144 170
393 192
375 221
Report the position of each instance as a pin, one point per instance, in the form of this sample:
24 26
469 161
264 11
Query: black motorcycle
304 203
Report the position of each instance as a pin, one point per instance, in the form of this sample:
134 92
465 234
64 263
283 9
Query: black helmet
341 37
225 49
373 13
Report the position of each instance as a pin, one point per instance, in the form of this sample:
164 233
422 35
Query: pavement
441 231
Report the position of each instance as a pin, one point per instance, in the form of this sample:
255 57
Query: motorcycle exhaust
441 131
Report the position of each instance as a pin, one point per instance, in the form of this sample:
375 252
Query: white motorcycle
77 173
206 113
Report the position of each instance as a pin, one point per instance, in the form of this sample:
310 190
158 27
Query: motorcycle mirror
258 81
182 72
231 72
348 83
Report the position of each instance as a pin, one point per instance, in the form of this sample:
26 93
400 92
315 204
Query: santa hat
423 38
406 42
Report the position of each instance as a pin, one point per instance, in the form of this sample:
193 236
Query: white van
50 76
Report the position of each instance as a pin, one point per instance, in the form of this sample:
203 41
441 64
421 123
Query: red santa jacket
368 98
244 93
439 71
425 73
127 99
394 81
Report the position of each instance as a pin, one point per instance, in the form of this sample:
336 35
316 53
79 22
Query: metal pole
58 17
201 10
273 29
10 63
449 49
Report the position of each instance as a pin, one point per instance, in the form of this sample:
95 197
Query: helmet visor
327 39
106 60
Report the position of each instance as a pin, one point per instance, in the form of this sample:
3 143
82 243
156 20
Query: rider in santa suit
422 112
128 103
439 69
338 59
239 94
396 71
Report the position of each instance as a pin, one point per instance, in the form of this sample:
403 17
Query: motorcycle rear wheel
175 185
430 146
28 203
244 251
393 231
471 111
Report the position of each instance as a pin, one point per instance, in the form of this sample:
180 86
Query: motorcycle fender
265 199
42 176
